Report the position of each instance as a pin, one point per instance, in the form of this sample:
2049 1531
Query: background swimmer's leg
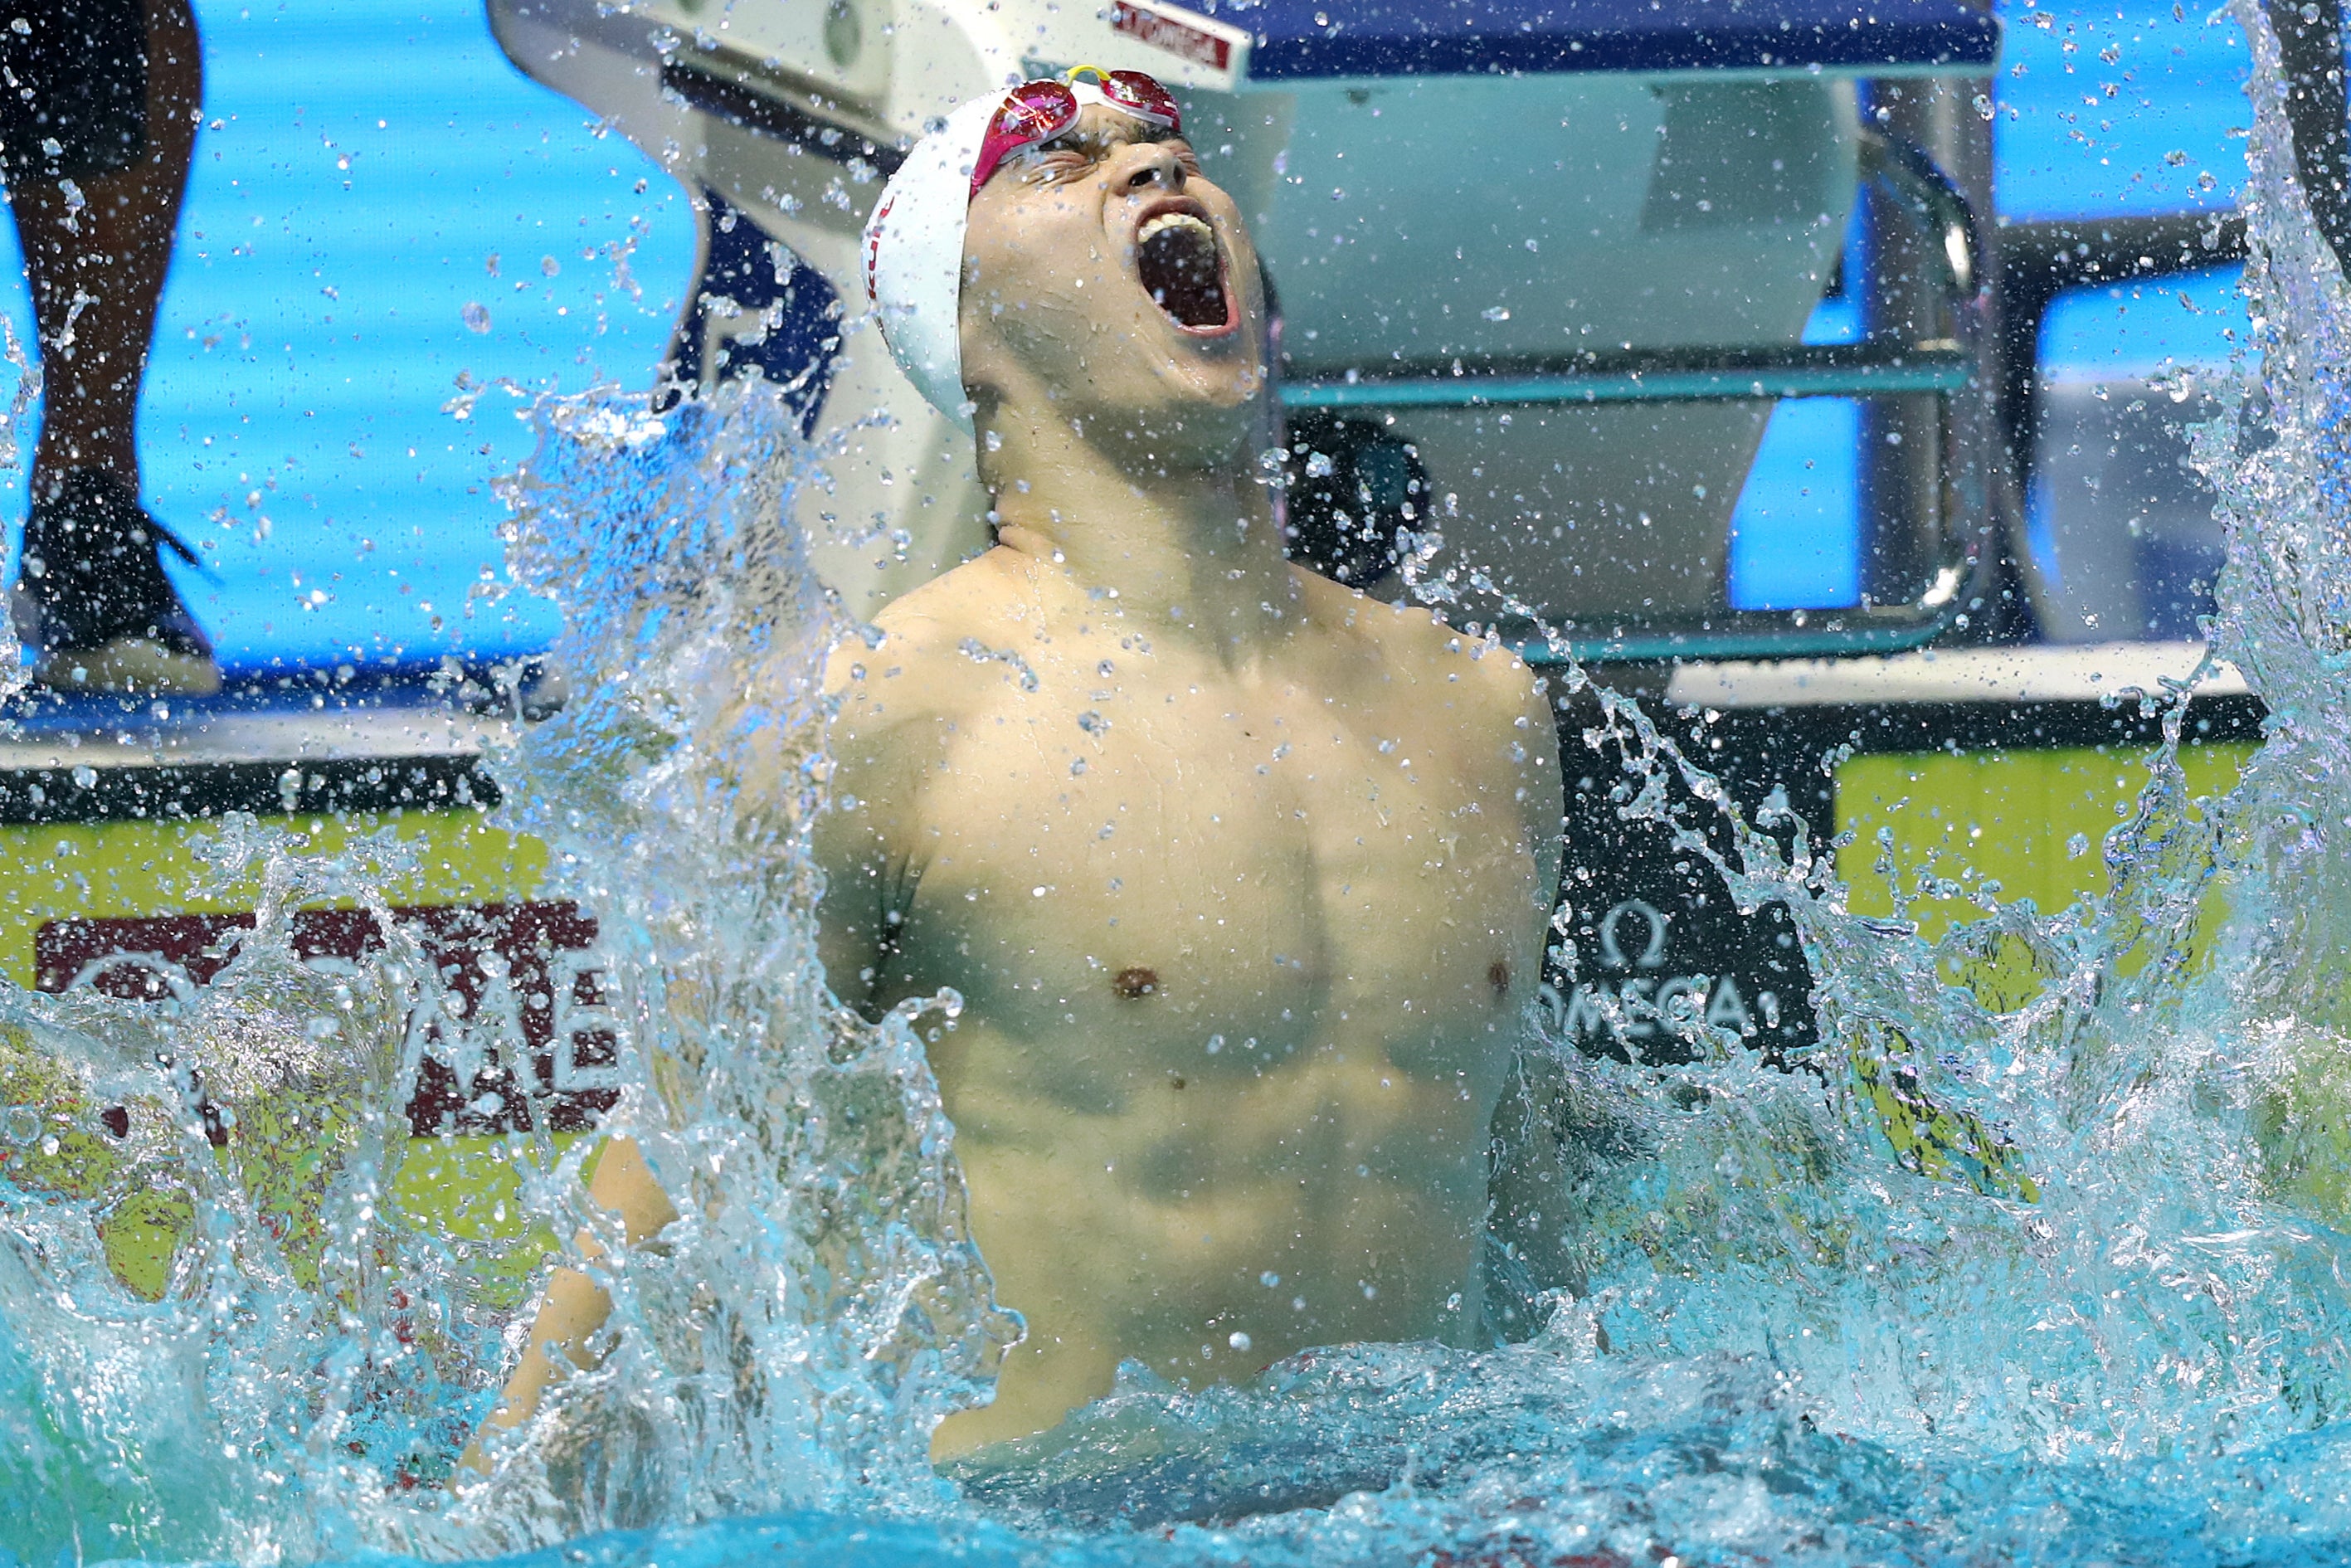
98 152
112 255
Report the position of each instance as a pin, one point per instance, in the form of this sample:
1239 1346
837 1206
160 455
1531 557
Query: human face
1105 276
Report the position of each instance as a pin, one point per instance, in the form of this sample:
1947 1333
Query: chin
1208 377
1196 400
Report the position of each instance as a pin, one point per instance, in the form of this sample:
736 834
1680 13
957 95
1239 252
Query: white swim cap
914 256
914 251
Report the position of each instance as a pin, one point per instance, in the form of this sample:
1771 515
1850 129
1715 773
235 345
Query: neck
1186 554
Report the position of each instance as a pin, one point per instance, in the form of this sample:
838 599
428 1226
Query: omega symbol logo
1654 921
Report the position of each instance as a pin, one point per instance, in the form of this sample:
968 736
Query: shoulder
905 694
931 657
1483 684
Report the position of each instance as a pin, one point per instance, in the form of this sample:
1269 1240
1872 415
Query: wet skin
1240 997
1243 877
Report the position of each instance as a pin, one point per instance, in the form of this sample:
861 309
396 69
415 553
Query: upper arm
899 702
1501 706
1530 753
861 844
1546 786
898 707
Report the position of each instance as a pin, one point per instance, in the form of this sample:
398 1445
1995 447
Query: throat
1180 553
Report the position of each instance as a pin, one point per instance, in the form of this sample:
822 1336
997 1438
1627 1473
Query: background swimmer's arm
575 1306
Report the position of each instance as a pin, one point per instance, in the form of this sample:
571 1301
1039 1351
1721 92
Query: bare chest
1223 887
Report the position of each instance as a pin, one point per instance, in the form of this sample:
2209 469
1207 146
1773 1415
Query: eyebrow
1083 140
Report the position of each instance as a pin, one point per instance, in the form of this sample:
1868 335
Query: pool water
2096 1313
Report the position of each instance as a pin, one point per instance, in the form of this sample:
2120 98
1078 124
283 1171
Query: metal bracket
1810 371
1953 369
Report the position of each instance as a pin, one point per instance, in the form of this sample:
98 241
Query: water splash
797 1335
2035 1257
203 1340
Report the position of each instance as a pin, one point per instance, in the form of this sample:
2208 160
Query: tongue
1180 269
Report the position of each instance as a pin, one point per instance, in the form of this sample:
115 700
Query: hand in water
575 1306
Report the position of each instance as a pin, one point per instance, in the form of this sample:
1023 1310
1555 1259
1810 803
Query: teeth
1175 220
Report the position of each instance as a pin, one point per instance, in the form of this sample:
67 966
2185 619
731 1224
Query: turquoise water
2117 1330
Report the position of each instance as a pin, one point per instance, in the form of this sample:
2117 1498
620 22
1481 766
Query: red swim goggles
1040 111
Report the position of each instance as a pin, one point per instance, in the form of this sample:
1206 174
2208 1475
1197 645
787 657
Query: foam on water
2099 1316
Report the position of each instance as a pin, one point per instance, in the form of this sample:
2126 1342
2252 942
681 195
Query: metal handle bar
1937 365
1946 368
1809 371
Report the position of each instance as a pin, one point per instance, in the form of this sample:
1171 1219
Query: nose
1146 165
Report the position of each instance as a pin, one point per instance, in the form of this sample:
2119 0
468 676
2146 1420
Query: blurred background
381 208
2098 111
384 213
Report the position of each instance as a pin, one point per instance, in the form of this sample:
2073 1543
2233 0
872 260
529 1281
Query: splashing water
2095 1313
816 1306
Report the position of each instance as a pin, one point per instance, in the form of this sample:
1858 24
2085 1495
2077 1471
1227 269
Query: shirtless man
1243 876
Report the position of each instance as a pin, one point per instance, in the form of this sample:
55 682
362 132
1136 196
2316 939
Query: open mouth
1183 270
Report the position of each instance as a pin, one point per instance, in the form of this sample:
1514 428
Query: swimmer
1244 877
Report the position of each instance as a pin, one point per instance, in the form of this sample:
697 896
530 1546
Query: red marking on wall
129 957
873 250
1172 33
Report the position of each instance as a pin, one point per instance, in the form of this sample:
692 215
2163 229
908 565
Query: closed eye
1053 165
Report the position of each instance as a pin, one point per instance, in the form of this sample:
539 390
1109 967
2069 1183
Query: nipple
1135 982
1497 975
